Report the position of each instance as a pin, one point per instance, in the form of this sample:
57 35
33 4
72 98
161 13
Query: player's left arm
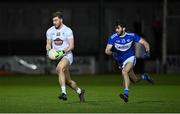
70 40
145 43
71 45
48 44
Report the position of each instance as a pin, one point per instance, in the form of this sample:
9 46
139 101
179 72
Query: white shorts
69 57
131 59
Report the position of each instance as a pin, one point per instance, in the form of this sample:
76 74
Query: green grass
38 93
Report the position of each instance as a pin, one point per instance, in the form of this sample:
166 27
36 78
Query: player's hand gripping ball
55 55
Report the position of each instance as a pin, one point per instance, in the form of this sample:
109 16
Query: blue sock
144 77
126 91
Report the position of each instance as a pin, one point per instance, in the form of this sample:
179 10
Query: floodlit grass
38 93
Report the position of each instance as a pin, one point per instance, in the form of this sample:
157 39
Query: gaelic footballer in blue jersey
121 46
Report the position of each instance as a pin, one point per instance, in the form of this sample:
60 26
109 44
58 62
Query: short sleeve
110 40
136 38
48 34
70 34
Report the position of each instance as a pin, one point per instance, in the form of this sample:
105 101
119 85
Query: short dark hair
57 14
120 23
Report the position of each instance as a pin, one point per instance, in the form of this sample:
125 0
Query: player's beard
121 33
58 26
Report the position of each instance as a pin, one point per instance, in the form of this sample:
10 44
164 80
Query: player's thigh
128 67
132 74
63 64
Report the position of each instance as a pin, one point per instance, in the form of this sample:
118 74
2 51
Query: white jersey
59 37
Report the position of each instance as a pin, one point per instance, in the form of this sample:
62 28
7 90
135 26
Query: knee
60 69
124 72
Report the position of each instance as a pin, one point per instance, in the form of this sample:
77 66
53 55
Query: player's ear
124 28
61 19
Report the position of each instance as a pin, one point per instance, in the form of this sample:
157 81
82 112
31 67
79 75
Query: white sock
63 89
78 91
126 89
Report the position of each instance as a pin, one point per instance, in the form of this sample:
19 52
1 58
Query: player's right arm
108 49
109 45
48 41
48 44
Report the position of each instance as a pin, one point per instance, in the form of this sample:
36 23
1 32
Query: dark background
23 24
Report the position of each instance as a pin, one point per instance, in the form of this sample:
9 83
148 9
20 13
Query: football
53 54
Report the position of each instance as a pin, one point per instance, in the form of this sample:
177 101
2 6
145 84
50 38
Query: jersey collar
123 35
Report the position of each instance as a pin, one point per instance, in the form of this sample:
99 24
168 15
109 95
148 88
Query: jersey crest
58 41
123 47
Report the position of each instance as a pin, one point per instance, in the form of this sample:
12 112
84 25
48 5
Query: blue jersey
123 46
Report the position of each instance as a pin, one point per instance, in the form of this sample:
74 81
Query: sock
126 91
78 91
63 89
143 77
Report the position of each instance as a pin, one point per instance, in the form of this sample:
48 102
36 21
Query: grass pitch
38 93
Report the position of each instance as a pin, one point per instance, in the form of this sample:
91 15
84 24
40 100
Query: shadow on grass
92 102
146 101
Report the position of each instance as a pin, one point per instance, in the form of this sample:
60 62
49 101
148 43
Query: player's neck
123 34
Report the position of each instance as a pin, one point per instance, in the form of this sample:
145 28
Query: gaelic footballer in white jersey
60 37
